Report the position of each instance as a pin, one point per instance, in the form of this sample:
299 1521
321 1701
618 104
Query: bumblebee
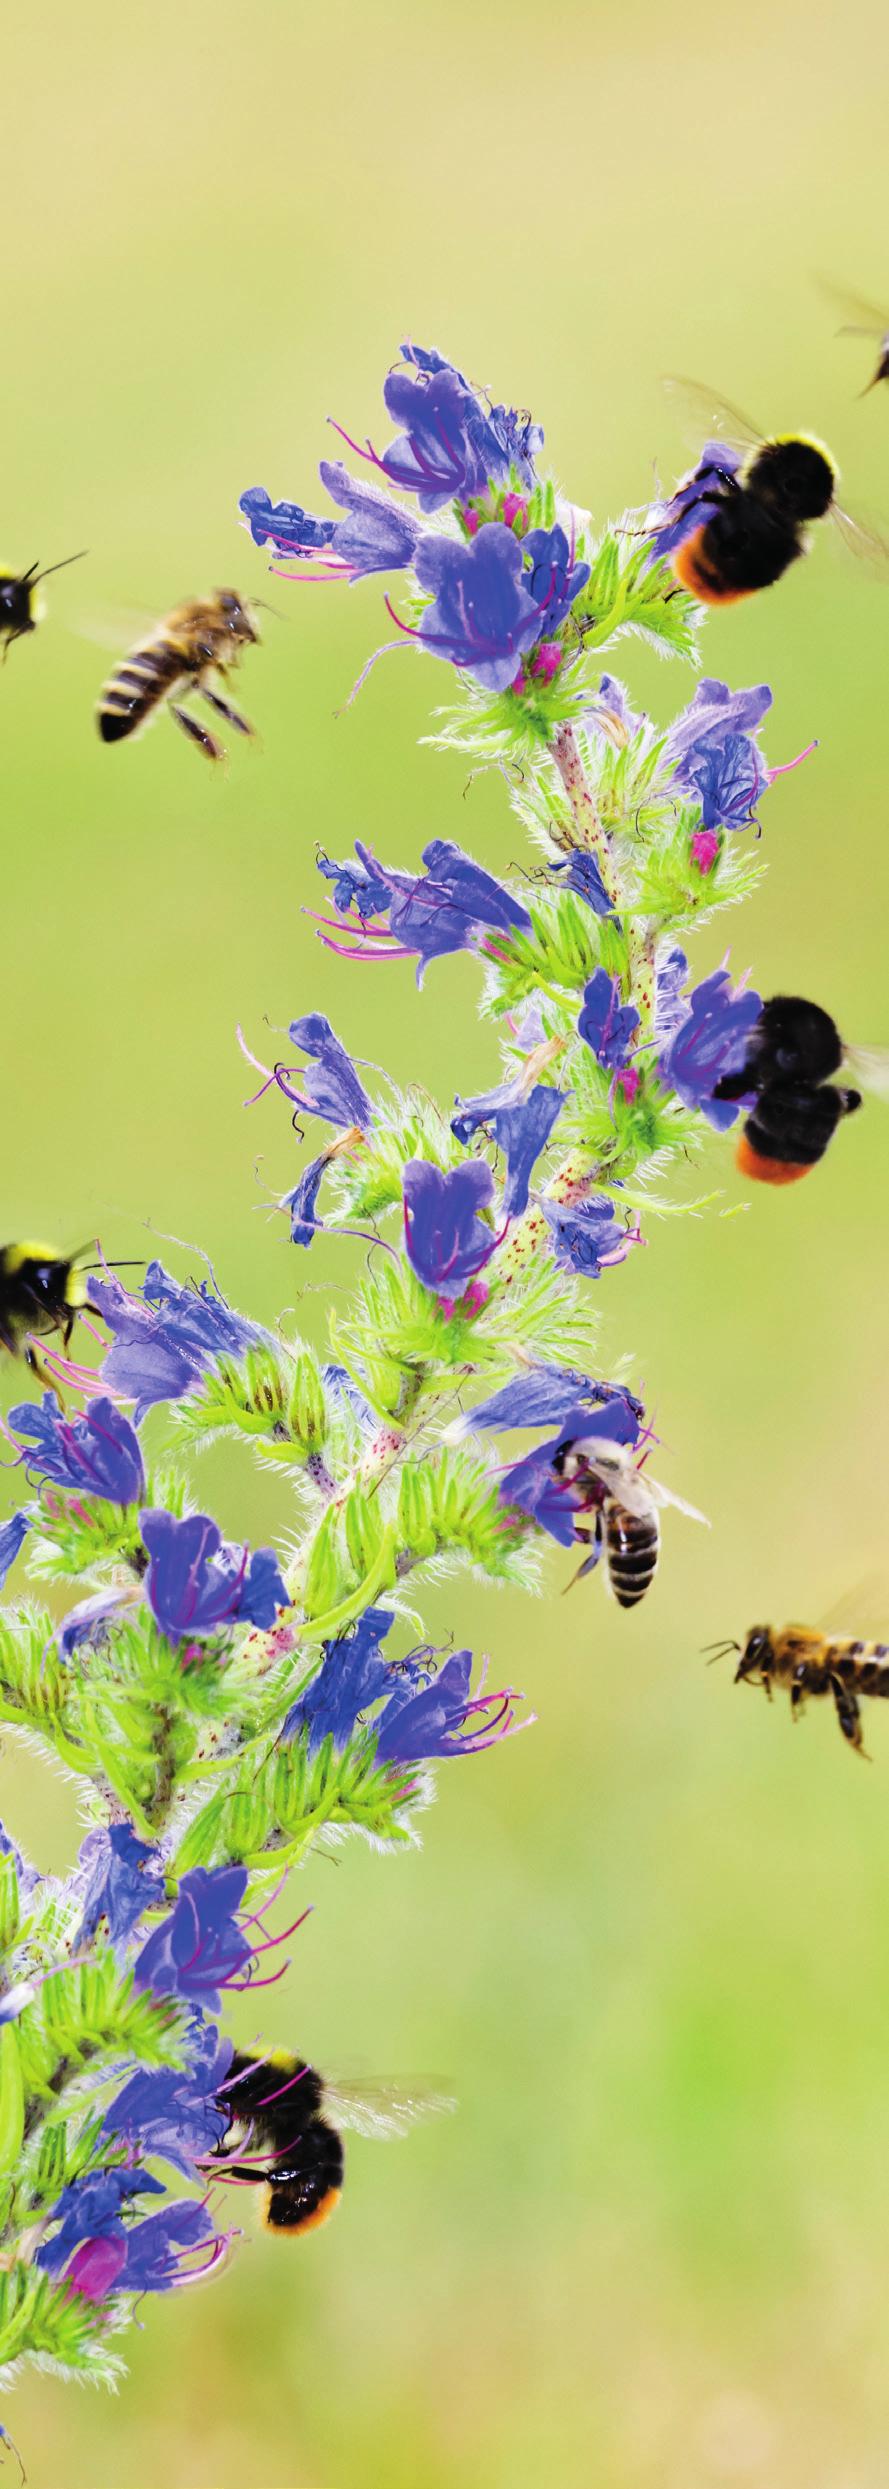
811 1665
622 1502
795 1048
41 1292
17 593
283 2134
738 522
205 636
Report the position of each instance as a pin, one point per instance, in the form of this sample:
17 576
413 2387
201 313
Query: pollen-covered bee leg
224 709
848 1713
190 726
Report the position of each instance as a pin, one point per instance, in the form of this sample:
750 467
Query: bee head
756 1656
236 615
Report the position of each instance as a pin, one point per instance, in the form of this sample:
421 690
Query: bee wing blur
862 539
871 1067
380 2111
862 1610
705 413
860 318
632 1487
117 628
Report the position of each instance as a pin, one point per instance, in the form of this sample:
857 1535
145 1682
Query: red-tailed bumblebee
284 2133
736 527
795 1049
17 594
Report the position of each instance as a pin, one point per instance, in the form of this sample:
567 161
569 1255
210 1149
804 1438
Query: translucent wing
862 1612
704 414
860 318
380 2111
870 1065
119 629
862 540
634 1488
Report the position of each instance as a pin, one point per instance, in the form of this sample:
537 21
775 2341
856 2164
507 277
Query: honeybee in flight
861 319
283 2134
622 1503
207 635
736 523
18 590
811 1665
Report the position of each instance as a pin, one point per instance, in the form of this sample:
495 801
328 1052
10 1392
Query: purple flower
201 1947
512 440
122 1877
695 501
302 1202
376 533
197 1584
582 874
175 2115
329 1086
155 2248
97 1453
87 1621
284 525
520 1122
670 998
91 2207
541 1395
711 1041
446 1237
352 1676
449 908
488 609
586 1236
428 1715
12 1536
356 885
165 1339
714 756
536 1486
607 1025
448 444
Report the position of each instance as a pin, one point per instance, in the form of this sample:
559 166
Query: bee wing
633 1487
860 317
862 1611
871 1066
118 629
381 2111
862 539
705 413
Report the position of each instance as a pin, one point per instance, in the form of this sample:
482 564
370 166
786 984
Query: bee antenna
264 607
36 575
718 1650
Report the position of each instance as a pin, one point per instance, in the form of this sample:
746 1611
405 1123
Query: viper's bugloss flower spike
586 1236
120 1877
197 1584
447 1238
607 1025
166 1337
201 1947
97 1452
451 907
12 1538
520 1121
711 1040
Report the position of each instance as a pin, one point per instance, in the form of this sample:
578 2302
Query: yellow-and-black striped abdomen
632 1547
137 686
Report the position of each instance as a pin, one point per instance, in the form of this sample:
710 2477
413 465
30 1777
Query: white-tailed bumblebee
206 635
284 2133
811 1665
794 1050
41 1291
18 589
745 525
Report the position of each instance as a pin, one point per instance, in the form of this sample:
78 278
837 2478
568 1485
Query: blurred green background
648 1943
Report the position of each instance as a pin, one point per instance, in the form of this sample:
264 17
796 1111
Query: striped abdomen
632 1547
136 686
862 1665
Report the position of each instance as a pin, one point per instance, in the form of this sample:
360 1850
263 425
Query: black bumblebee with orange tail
283 2133
794 1051
738 522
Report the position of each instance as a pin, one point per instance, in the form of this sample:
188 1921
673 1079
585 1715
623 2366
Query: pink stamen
781 771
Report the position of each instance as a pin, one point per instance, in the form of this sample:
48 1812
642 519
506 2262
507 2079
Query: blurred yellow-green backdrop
648 1943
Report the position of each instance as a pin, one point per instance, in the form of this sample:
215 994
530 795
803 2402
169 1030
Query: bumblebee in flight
207 635
18 589
283 2134
41 1292
811 1665
739 520
794 1049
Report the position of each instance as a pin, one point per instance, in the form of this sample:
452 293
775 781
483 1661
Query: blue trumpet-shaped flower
607 1025
454 906
97 1453
447 1238
520 1121
714 755
352 1675
711 1040
172 2114
120 1877
200 1948
197 1584
166 1338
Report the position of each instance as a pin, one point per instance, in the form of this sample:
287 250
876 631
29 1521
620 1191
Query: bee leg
797 1700
35 1363
848 1713
224 709
198 733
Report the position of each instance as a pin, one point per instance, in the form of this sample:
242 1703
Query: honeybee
794 1049
206 635
861 319
738 521
282 2105
41 1291
17 593
623 1502
811 1664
